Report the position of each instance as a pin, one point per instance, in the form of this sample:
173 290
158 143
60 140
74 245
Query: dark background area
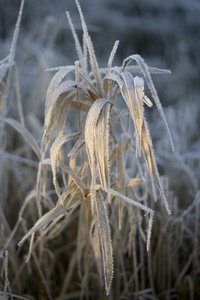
165 33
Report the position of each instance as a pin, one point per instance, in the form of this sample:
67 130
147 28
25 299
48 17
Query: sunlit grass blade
141 63
90 126
102 145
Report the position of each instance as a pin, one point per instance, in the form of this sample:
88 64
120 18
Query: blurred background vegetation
166 34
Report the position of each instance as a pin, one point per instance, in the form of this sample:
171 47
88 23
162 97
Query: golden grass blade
55 82
106 244
134 98
62 113
80 106
61 89
120 178
60 95
88 84
141 63
132 91
136 181
90 126
93 60
38 189
78 145
102 145
83 236
96 245
55 148
79 182
24 133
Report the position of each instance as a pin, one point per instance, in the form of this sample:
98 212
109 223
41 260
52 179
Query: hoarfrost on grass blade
102 145
76 40
58 143
106 244
93 60
44 220
120 177
55 81
141 63
90 126
112 54
141 206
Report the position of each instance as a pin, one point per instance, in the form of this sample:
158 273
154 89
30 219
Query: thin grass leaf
148 151
19 159
75 178
142 207
11 59
76 40
18 95
63 88
82 236
120 178
60 95
58 143
96 245
62 113
89 85
15 35
44 221
3 71
106 244
85 55
112 54
93 60
24 133
132 91
136 69
78 145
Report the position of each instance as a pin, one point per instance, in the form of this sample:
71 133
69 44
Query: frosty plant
104 179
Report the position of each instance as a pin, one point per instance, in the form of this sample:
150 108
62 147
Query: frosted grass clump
92 93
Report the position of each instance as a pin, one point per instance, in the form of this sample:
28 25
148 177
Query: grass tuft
91 197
